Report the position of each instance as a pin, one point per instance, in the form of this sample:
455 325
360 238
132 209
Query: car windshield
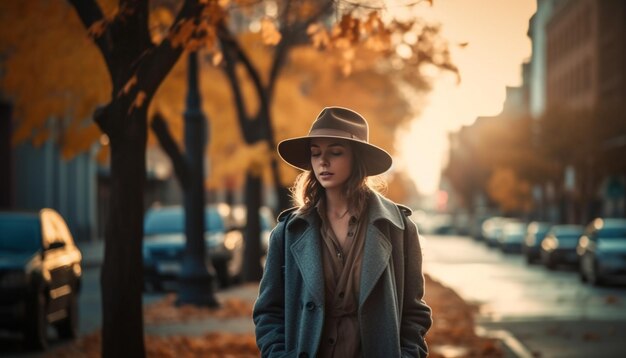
171 221
618 233
20 233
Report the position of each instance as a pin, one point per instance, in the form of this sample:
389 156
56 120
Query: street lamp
196 282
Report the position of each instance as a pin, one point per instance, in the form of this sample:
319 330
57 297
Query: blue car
602 251
164 245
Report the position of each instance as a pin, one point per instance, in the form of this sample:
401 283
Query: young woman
343 276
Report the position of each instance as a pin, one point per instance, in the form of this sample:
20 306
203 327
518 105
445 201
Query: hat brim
296 152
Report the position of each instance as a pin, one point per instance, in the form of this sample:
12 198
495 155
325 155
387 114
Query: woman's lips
325 175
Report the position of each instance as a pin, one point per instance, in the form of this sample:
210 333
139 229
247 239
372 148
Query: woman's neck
336 203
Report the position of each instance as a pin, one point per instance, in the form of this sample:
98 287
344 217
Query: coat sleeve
416 315
269 308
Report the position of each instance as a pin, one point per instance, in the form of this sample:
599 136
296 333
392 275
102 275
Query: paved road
551 313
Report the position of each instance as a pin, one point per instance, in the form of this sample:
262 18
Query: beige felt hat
342 123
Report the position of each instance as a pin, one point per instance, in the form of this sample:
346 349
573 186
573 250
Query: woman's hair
307 190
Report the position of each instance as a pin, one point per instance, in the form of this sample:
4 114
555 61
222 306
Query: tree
131 61
136 66
351 40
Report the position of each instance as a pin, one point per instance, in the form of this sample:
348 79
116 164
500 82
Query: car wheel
68 327
221 270
36 330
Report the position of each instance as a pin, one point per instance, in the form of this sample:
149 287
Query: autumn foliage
453 328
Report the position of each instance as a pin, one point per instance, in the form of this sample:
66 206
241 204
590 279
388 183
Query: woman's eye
315 154
336 154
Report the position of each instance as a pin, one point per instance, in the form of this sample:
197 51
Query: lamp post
196 282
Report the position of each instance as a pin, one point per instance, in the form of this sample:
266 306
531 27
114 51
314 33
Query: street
551 313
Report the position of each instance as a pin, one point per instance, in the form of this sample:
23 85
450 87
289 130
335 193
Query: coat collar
376 253
380 208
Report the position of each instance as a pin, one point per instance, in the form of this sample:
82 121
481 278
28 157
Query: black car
40 276
559 246
602 251
535 233
164 245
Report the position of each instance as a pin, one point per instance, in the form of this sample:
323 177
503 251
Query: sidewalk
452 335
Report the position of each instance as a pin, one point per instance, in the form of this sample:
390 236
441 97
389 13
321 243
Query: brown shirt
342 274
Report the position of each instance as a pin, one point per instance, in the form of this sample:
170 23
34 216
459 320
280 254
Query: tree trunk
122 275
252 270
282 193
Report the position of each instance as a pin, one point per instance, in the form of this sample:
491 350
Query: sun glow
497 46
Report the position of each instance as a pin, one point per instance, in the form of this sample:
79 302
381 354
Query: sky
495 31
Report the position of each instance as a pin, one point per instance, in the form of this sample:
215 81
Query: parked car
512 236
267 220
492 229
164 245
602 251
40 276
535 233
559 246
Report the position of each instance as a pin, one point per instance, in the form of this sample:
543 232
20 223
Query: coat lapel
376 254
377 250
307 254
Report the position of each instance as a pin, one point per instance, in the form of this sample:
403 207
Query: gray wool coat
393 318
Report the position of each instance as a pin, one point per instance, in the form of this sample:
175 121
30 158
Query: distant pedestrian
343 276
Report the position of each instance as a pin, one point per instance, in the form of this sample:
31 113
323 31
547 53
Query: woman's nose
324 160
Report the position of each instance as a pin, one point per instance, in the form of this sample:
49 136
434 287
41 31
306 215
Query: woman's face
331 161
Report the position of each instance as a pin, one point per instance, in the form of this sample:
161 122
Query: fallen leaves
165 311
452 333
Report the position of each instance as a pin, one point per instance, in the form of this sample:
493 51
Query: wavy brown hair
307 190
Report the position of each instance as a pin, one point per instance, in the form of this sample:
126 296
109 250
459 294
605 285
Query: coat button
303 355
310 306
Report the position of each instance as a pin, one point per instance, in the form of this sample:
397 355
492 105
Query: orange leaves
97 28
165 311
198 32
509 191
453 326
138 102
182 32
318 35
129 84
269 32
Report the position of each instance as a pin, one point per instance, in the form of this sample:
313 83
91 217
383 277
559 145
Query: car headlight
232 240
14 279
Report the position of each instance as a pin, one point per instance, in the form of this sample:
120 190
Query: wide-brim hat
341 123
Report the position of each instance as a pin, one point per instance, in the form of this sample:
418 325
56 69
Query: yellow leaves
269 32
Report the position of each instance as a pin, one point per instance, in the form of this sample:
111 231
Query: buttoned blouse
342 273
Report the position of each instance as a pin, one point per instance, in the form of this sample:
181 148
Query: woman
343 275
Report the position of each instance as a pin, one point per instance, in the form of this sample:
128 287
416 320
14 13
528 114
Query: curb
511 344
